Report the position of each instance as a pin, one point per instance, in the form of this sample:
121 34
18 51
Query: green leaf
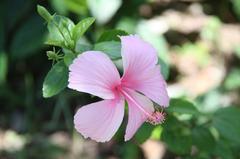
59 6
236 7
223 150
179 142
143 133
164 68
44 13
27 41
76 6
111 48
82 48
176 135
81 28
203 139
237 51
60 32
232 80
226 121
172 123
128 24
130 151
103 10
111 35
156 133
68 57
56 80
182 106
3 67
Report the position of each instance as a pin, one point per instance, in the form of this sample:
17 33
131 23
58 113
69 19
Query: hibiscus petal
140 70
136 117
93 72
100 120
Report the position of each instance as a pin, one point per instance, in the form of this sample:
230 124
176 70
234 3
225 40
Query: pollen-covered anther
156 118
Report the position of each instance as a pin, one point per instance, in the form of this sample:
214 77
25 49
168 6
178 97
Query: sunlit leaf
111 48
81 28
56 80
156 133
44 13
60 32
103 10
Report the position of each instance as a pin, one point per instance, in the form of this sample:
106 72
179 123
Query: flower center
156 118
153 118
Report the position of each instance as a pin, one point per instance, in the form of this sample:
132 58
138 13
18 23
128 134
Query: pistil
155 118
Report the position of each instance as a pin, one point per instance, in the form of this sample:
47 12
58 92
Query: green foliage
44 13
178 141
203 139
3 67
182 106
130 151
143 133
56 80
60 32
236 7
223 150
232 80
211 30
226 121
176 135
76 6
201 52
81 28
237 51
69 57
164 68
66 35
111 35
111 48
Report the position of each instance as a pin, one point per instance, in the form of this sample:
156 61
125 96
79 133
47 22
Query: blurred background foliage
198 42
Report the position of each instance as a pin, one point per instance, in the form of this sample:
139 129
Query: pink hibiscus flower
93 72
